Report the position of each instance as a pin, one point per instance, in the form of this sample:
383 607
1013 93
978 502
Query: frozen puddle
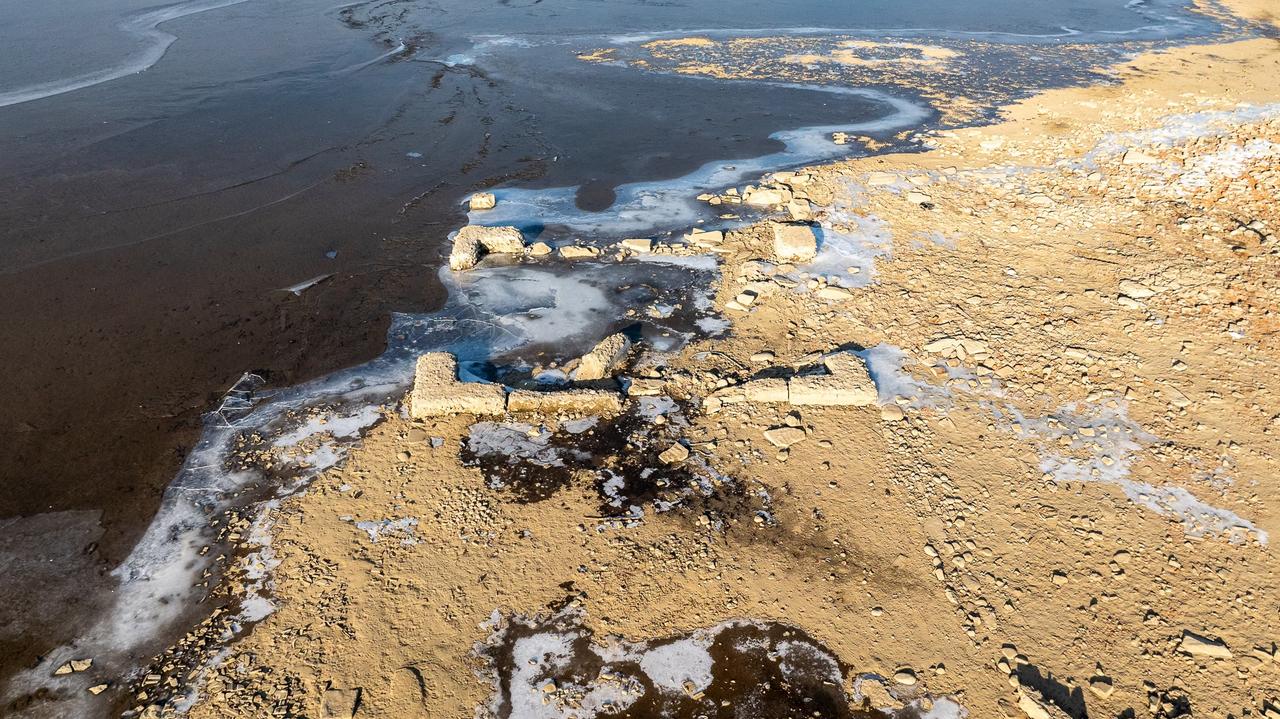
1091 443
554 668
666 205
1082 442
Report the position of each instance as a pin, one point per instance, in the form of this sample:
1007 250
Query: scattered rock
73 666
800 210
1101 686
892 413
1135 290
766 197
705 239
674 454
1137 157
836 294
784 437
483 201
539 249
639 246
905 677
1202 646
579 252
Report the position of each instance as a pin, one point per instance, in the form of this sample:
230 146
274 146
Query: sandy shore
1058 502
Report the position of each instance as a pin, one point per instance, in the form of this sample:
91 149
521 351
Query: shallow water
166 170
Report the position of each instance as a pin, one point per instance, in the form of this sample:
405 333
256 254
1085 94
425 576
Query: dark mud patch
618 459
556 667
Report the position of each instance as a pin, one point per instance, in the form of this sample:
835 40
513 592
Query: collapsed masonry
438 392
846 384
603 359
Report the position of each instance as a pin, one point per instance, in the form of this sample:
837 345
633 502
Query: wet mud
555 666
617 459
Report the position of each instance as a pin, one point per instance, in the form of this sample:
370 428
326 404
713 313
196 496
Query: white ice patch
650 407
848 247
338 425
1230 162
686 661
400 529
516 441
1177 129
895 385
1090 443
578 426
1078 443
645 207
534 658
152 43
553 671
807 656
943 708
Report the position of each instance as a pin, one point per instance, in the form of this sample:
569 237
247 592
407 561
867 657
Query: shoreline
627 595
1026 114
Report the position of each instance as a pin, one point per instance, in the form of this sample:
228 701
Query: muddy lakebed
247 196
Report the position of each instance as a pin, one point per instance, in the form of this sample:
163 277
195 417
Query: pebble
675 453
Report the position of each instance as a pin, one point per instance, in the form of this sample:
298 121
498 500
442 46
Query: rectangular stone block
573 401
772 390
830 391
437 391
